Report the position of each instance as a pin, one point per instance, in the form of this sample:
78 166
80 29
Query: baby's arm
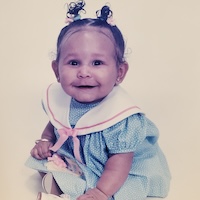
115 174
41 149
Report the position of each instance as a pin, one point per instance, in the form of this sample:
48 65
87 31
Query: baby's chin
87 101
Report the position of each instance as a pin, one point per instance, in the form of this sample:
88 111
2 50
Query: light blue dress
149 174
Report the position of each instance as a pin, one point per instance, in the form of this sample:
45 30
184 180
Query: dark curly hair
101 22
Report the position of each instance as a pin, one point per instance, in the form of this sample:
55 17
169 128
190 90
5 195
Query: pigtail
74 9
105 14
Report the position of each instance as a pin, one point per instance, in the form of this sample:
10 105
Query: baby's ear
122 70
54 65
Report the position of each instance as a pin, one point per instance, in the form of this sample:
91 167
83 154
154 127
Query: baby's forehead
91 28
98 30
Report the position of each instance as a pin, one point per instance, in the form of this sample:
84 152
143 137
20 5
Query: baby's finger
43 149
43 152
34 153
47 154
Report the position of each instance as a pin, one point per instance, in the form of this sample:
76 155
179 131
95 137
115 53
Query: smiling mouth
85 87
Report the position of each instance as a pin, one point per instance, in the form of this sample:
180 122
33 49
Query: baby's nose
83 72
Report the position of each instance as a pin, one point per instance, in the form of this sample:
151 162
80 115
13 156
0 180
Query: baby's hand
94 194
41 150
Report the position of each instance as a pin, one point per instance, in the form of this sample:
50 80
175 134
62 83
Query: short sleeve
126 135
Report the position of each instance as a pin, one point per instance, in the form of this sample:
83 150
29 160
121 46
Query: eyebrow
93 55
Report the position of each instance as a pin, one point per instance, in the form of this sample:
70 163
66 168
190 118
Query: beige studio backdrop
163 51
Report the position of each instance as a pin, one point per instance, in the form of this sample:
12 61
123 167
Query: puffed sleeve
126 135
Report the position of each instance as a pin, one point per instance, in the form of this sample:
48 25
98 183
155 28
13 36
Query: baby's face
87 66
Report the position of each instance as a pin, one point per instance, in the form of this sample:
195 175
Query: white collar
117 106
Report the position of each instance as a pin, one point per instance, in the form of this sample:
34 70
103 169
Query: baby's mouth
85 86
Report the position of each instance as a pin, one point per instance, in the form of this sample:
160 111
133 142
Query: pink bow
57 160
111 21
68 20
64 135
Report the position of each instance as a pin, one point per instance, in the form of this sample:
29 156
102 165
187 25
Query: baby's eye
73 62
97 62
